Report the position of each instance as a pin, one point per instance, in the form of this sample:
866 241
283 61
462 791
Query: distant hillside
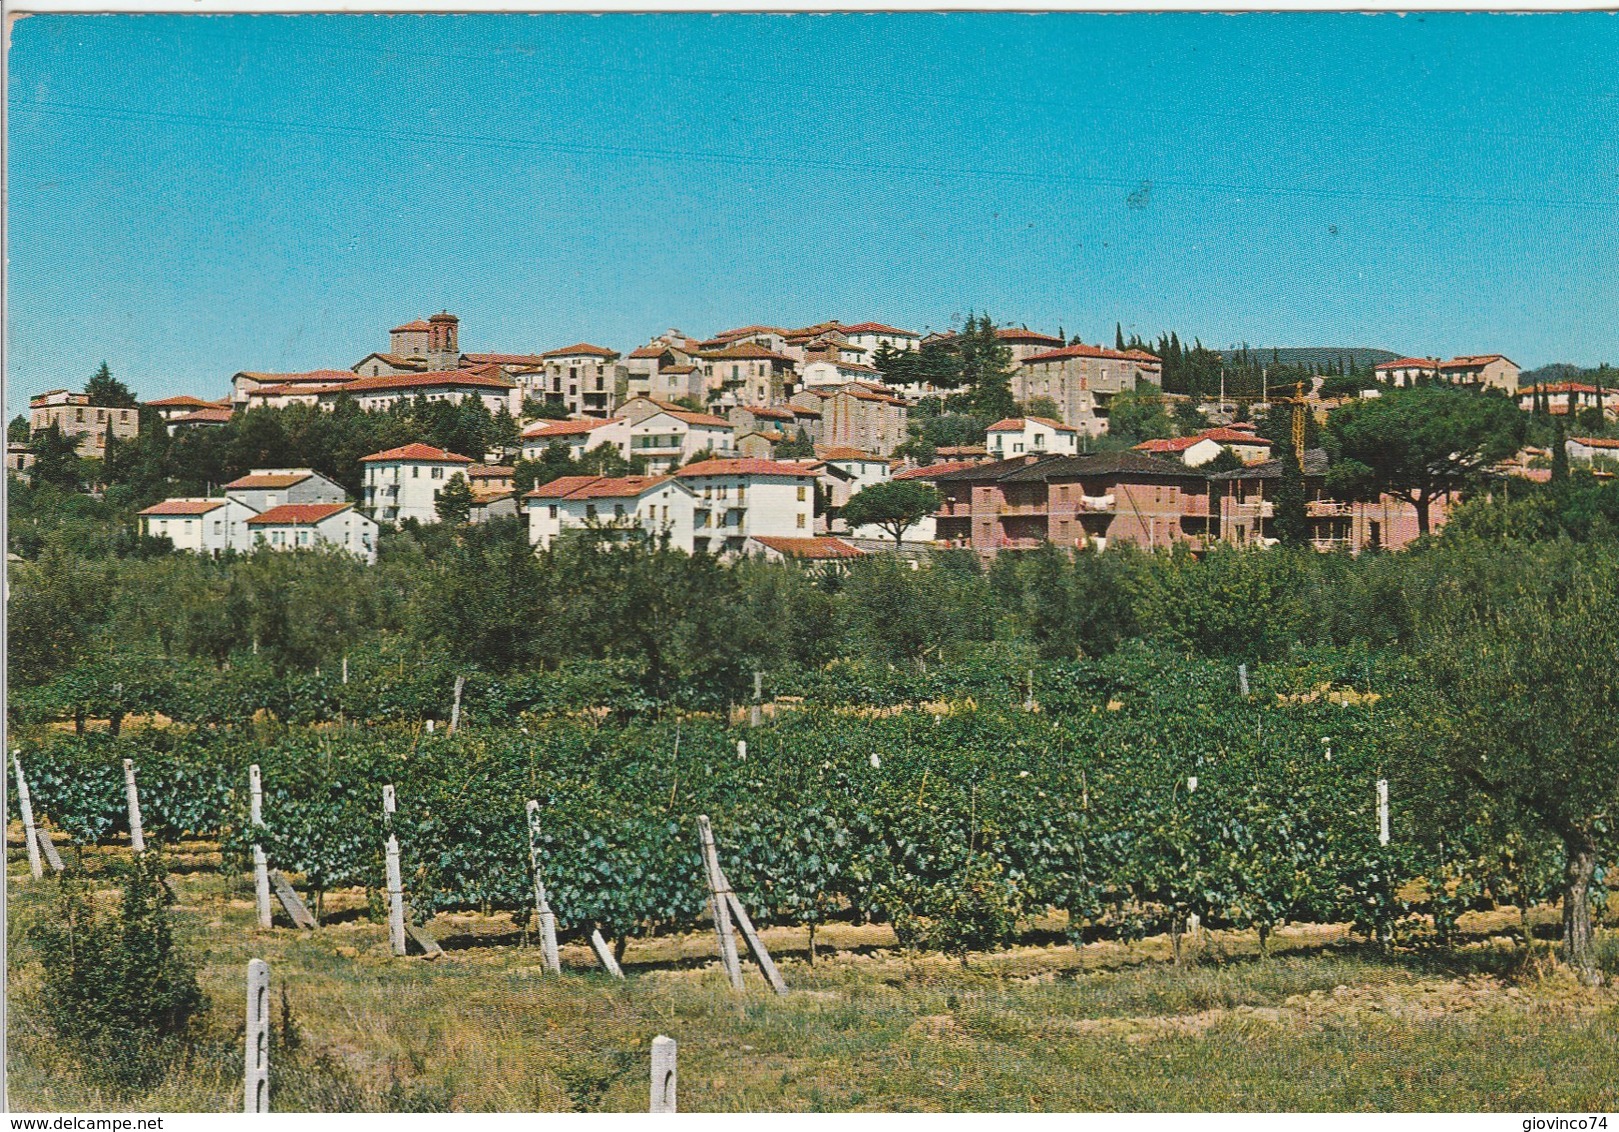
1311 357
1566 371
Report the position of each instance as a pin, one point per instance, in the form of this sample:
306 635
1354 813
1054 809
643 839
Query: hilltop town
755 440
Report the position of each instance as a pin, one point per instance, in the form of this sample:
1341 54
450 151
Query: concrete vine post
261 864
396 898
548 919
663 1075
256 1079
137 839
26 805
455 708
721 906
604 954
1242 680
1382 811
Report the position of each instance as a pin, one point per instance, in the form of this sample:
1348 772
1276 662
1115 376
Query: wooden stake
755 944
542 907
43 835
721 907
133 797
605 954
26 805
296 909
663 1075
427 943
455 708
256 1080
261 864
396 898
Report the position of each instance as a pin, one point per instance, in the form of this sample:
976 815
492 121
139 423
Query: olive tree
1519 664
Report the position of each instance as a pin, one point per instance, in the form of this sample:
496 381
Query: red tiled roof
618 487
295 390
1234 436
823 547
481 378
317 376
297 514
181 402
649 351
1468 361
184 507
875 328
742 466
697 418
1015 424
1169 444
1080 350
561 486
933 470
848 454
581 348
409 326
505 359
483 496
560 429
267 480
490 471
418 452
745 331
1566 387
743 351
769 413
210 415
1408 363
1596 442
681 369
1024 334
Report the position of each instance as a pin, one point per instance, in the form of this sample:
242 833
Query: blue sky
193 196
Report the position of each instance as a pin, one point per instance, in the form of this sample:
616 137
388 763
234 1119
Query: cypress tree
1560 456
1118 336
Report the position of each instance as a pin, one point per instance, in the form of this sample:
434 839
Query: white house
674 434
1017 436
264 488
488 384
658 505
578 436
404 483
736 499
873 336
1582 449
202 526
829 374
1195 451
1406 371
305 526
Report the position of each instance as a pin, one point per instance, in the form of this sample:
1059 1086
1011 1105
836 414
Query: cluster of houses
720 430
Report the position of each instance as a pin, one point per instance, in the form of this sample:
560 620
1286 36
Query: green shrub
116 984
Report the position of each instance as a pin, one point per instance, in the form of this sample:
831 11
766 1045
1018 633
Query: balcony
1021 509
1098 502
1254 509
1328 509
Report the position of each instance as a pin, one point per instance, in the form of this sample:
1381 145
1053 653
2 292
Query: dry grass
1319 1025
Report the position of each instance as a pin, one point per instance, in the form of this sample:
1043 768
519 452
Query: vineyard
1131 793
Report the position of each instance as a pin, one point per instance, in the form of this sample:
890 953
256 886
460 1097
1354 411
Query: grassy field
1321 1025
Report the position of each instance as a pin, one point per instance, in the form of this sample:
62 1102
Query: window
618 510
438 473
802 493
590 511
303 538
553 510
415 472
801 520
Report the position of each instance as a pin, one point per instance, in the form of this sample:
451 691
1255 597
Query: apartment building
582 378
86 424
404 483
736 499
856 415
1081 380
